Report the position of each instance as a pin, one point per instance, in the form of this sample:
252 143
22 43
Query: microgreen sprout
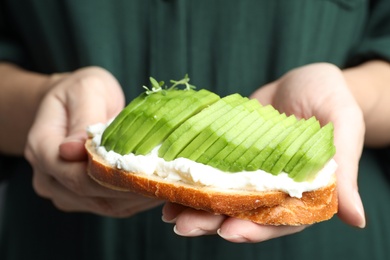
183 81
159 86
156 86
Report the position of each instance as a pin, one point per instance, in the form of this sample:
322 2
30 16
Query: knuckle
40 186
103 207
27 153
90 81
72 177
124 213
75 184
111 208
62 206
94 79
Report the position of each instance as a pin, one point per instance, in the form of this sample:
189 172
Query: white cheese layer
191 172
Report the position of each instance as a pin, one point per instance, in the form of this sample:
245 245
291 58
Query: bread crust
269 208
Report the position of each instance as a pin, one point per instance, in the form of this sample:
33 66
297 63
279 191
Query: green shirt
226 46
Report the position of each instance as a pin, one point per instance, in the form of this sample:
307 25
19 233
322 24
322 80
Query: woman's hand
55 145
314 90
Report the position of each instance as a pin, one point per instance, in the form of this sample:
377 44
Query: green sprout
159 86
185 81
156 86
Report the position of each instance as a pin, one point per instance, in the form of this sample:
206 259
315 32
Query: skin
359 117
341 108
55 142
56 110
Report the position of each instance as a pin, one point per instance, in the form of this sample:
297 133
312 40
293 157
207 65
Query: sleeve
11 48
376 40
376 45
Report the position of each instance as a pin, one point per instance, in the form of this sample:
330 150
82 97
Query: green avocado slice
243 154
150 112
187 131
314 154
191 105
216 131
257 154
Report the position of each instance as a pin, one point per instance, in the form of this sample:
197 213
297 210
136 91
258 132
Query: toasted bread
265 207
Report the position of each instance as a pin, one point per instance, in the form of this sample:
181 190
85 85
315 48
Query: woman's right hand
55 145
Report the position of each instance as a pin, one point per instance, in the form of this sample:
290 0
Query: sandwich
226 155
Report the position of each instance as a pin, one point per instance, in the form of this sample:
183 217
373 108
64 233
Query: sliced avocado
148 115
215 132
192 105
242 155
210 135
304 148
111 128
234 138
126 125
267 112
187 131
281 147
315 164
315 155
262 148
292 149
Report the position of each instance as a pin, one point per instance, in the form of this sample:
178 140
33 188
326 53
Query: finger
133 205
351 209
69 201
75 178
73 148
265 94
42 151
92 96
72 175
191 222
242 231
348 152
170 212
64 199
96 98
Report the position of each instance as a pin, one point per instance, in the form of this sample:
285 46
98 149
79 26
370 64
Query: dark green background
226 46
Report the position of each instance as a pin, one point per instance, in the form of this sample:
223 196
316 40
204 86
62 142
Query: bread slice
269 208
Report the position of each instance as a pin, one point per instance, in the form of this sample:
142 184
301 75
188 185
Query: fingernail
192 233
360 210
232 238
169 221
74 139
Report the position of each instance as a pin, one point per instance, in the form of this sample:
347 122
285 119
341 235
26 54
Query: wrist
368 83
21 92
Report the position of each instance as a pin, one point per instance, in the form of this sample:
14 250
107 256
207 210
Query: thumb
81 113
347 156
94 99
72 147
351 208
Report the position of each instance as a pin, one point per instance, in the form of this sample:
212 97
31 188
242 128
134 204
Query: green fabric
223 45
226 46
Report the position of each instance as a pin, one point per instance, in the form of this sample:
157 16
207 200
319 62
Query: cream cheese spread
188 171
